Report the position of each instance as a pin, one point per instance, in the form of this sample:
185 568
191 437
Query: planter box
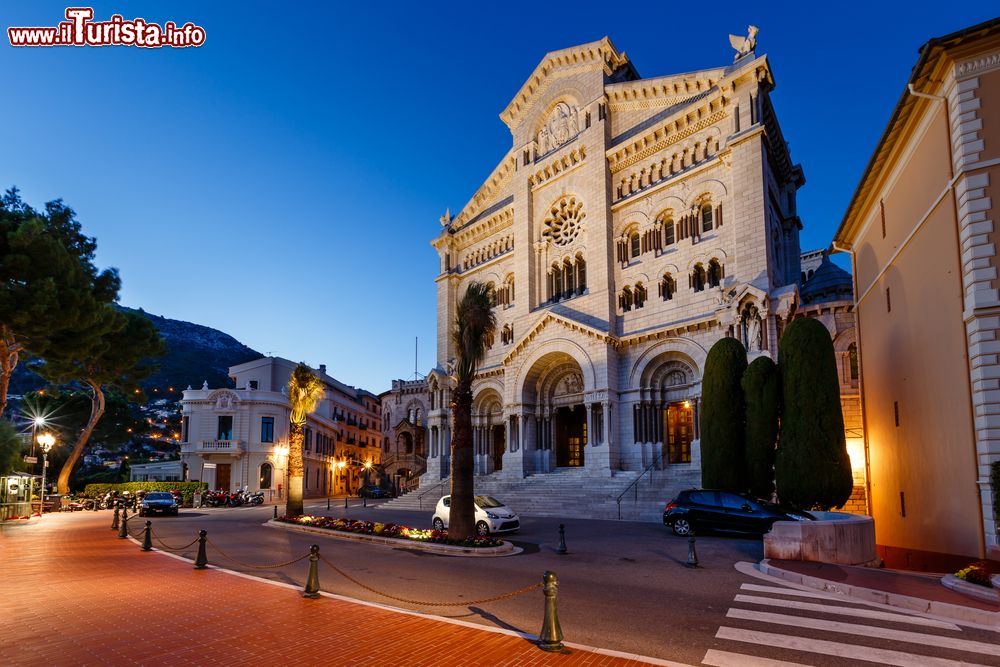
505 549
835 537
975 591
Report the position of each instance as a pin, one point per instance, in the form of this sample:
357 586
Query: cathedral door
571 435
678 431
499 446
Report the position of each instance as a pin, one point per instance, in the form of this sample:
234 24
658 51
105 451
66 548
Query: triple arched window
567 278
505 293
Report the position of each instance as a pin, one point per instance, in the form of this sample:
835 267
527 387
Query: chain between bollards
551 636
123 527
147 538
114 522
201 561
562 551
692 560
312 581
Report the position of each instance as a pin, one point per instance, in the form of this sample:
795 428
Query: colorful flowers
389 530
977 573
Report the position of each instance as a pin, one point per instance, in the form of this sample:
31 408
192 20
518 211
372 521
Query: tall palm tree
475 324
305 391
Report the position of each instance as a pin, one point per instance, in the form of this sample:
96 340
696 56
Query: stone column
590 425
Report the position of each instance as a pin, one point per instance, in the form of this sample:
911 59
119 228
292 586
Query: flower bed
393 530
979 573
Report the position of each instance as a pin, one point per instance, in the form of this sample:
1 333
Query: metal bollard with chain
275 511
114 522
123 527
692 560
327 504
202 560
562 551
551 636
147 538
312 581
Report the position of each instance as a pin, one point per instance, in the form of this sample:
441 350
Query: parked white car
492 516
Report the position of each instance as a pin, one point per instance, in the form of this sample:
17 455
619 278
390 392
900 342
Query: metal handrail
635 486
420 498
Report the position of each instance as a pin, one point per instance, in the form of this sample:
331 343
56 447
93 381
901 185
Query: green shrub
762 393
187 489
723 451
812 468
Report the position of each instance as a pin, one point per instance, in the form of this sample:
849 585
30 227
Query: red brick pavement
74 594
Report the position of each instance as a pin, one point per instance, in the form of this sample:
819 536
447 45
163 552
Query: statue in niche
752 328
562 125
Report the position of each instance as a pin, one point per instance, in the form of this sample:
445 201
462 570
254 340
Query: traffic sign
30 459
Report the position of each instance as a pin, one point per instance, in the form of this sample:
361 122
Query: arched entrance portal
489 438
553 392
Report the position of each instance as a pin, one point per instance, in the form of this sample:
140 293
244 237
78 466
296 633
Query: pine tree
723 458
762 392
812 468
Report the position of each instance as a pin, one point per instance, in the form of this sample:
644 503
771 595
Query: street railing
634 486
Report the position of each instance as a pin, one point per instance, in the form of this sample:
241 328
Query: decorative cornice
660 138
484 228
488 191
600 55
558 166
978 65
662 91
670 331
539 326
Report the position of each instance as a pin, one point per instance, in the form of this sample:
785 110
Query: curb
507 549
910 603
981 593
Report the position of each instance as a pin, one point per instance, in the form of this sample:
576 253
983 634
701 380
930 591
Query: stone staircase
568 492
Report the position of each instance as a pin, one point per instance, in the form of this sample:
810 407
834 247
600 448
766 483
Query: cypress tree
762 393
723 464
812 468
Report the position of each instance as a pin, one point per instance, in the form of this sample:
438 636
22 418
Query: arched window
508 291
714 273
625 299
557 282
698 278
669 237
493 293
633 241
852 358
667 287
706 217
266 470
581 274
569 278
640 295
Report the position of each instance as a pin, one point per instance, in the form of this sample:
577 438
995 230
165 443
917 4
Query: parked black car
707 510
158 502
371 491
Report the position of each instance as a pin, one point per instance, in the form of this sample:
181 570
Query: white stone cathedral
633 222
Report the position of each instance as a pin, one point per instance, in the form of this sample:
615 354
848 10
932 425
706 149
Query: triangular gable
551 318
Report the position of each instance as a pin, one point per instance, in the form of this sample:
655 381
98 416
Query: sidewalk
917 592
76 594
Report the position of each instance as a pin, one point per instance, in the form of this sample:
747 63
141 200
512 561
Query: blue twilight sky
283 181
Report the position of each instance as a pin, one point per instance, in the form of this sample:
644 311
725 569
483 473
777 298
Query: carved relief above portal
562 125
569 384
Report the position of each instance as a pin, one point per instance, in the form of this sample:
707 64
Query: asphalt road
622 586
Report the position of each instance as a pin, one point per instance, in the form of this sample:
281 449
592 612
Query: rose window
564 221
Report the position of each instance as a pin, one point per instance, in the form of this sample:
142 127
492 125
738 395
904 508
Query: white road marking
836 649
847 611
798 593
939 641
727 659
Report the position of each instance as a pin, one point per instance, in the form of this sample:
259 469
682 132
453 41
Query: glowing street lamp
46 441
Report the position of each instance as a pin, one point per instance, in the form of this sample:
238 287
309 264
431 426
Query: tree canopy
723 450
762 392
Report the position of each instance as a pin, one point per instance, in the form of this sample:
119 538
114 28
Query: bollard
364 501
96 503
562 541
123 528
147 538
551 636
312 581
114 522
345 502
275 511
327 504
202 559
692 560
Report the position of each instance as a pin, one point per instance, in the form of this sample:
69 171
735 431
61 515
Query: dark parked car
704 509
158 502
371 491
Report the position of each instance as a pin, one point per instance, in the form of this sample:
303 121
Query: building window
254 384
667 287
698 278
640 295
225 430
308 439
185 424
569 279
633 241
265 475
625 299
714 273
267 429
852 358
706 217
669 236
581 274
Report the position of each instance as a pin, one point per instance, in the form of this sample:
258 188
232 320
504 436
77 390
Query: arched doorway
665 419
266 472
553 391
489 438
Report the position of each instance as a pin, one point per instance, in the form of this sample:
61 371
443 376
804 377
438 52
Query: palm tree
305 391
475 324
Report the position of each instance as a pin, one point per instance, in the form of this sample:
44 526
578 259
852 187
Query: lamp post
282 452
46 440
35 423
340 468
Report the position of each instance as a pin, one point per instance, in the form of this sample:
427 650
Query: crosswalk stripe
847 611
836 649
727 659
757 588
865 631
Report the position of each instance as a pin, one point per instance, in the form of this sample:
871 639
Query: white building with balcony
236 437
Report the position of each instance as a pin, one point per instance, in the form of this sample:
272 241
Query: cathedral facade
633 222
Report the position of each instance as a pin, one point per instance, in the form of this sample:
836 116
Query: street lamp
282 452
46 440
35 423
340 467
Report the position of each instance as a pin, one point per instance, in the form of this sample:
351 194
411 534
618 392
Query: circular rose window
564 221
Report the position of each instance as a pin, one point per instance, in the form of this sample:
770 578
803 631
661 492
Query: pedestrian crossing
775 626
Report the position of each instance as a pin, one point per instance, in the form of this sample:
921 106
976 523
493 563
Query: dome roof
828 283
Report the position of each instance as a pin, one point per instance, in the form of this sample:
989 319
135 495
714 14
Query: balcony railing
219 446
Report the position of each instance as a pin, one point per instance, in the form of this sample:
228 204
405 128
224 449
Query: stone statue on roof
744 45
446 218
